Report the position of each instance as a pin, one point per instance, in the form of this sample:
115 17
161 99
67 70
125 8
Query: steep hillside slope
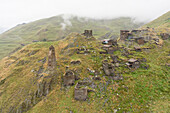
27 86
162 23
56 28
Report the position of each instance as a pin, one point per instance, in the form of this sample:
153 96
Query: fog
13 12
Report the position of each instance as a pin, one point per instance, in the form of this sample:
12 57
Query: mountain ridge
52 29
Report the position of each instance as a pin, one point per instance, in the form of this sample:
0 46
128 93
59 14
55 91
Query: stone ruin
80 93
165 36
124 34
109 49
83 51
88 33
108 68
77 62
140 40
51 58
133 63
139 36
69 78
83 87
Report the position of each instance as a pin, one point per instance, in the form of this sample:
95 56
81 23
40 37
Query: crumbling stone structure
51 58
133 63
108 69
88 33
109 49
124 34
80 93
140 40
69 78
165 36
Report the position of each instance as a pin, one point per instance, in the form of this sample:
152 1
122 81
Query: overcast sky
13 12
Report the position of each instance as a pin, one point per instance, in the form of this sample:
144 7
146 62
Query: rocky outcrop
44 87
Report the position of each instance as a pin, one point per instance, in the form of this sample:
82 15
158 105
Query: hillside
26 85
56 28
161 24
81 74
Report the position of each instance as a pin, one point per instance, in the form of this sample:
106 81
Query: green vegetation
142 90
145 89
162 24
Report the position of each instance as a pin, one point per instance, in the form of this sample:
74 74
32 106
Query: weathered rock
117 77
167 64
32 52
76 62
117 64
69 78
114 58
96 78
137 49
22 62
51 58
44 87
43 60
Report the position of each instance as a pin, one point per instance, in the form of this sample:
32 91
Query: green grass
140 91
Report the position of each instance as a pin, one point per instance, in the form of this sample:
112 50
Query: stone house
80 93
69 78
88 33
124 34
165 36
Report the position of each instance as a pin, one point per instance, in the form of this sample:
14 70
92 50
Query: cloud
13 12
66 21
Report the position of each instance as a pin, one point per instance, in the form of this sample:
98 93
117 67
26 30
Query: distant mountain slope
162 23
58 27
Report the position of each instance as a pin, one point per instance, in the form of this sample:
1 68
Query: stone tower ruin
88 33
51 58
124 34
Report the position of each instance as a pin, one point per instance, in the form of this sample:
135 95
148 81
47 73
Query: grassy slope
145 87
162 23
50 29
